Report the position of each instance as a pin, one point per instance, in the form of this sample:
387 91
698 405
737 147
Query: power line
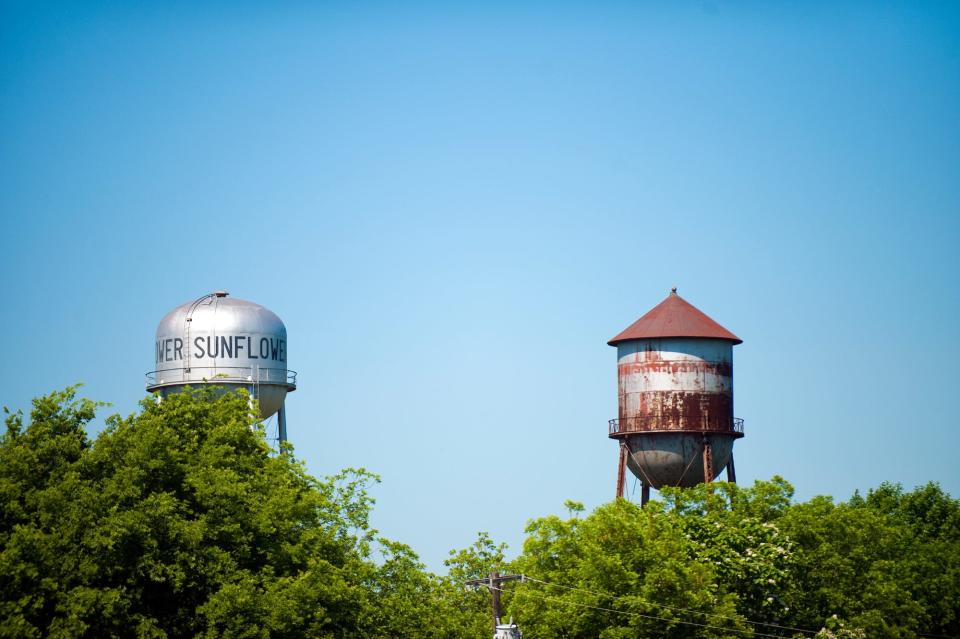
652 603
654 617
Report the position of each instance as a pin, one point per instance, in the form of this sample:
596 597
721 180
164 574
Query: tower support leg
707 461
644 493
622 470
731 471
282 423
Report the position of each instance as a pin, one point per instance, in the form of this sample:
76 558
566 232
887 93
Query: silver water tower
228 342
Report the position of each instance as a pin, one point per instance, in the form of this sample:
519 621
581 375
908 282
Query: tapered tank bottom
676 459
269 396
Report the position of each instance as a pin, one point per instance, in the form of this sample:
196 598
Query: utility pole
494 582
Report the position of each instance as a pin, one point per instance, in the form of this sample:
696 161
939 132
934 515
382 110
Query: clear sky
453 209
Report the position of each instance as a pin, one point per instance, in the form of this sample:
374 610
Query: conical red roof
674 317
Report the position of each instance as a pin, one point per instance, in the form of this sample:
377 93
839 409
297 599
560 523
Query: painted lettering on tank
226 347
169 350
213 347
240 347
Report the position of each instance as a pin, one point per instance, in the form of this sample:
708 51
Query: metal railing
654 423
226 374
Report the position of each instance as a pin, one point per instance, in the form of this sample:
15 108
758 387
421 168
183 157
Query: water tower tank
223 340
675 388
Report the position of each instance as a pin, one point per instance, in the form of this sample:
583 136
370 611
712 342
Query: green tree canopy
749 560
177 521
180 521
621 572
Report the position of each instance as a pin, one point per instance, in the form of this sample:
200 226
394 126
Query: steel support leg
644 493
622 470
731 471
707 461
282 423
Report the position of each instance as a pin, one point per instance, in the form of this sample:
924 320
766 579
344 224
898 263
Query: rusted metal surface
708 474
615 430
674 317
622 469
675 384
675 390
675 459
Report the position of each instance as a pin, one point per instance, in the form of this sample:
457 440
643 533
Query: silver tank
227 341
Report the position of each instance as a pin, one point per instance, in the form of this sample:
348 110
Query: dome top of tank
674 317
226 315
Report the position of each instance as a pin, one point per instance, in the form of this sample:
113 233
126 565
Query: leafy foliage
622 559
175 522
748 558
735 531
889 564
181 521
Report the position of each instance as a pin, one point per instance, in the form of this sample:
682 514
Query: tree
735 530
177 521
744 558
181 521
620 572
411 602
467 613
889 564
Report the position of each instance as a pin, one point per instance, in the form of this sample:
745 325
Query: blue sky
453 209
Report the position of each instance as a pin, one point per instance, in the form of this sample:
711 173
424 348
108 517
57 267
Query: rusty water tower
675 386
225 341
